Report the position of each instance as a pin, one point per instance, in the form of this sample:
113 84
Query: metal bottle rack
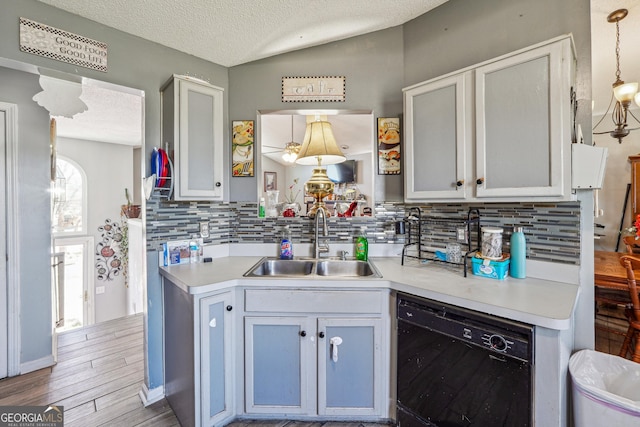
415 224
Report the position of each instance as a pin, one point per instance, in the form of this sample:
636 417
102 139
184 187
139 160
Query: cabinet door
350 374
279 365
199 154
437 130
522 124
216 355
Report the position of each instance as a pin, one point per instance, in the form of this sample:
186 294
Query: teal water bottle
518 265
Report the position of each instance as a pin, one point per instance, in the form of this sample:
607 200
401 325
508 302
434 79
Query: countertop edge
510 300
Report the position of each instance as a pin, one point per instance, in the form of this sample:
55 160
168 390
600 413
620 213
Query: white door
74 290
3 265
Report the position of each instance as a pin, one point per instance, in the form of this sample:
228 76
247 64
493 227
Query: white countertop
538 302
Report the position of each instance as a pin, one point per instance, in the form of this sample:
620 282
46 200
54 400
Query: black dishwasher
458 367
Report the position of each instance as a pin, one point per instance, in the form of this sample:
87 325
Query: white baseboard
151 396
34 365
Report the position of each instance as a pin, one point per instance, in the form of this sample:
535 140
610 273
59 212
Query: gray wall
132 62
372 65
34 204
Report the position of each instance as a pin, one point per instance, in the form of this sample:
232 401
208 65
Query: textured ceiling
232 32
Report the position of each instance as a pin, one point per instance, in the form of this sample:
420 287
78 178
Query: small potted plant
129 210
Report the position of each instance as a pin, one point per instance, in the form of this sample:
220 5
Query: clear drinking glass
454 252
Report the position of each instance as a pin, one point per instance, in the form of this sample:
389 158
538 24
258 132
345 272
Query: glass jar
492 242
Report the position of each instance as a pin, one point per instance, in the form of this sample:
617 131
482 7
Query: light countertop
545 303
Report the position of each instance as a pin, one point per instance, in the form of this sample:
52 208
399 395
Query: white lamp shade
319 145
625 92
637 98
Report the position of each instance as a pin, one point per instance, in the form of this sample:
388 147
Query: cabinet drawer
314 301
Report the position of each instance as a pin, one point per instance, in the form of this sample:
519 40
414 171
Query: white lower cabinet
216 354
198 353
349 366
278 353
325 364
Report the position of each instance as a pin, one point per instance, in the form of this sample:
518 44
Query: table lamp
319 148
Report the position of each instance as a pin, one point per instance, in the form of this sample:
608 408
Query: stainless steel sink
346 268
281 267
311 267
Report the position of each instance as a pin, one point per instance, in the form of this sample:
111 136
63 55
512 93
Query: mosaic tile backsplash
552 230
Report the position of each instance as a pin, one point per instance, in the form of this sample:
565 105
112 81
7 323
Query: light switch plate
204 229
99 290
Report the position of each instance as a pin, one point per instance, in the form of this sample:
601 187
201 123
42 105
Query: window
68 199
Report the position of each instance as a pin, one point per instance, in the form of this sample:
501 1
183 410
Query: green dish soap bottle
362 245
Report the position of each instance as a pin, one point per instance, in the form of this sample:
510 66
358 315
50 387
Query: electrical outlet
99 290
461 234
204 229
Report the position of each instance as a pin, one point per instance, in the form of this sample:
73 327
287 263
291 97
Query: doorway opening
97 138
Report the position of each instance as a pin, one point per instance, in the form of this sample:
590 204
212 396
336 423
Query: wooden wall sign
50 42
309 89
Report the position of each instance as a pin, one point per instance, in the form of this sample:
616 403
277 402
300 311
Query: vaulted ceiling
232 32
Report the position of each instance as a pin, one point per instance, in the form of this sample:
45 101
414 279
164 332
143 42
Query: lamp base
319 186
317 205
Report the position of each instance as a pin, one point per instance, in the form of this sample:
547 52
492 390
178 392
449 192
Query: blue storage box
490 268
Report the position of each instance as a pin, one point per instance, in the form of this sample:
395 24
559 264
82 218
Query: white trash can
606 390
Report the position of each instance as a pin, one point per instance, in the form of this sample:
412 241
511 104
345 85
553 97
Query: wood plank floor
97 379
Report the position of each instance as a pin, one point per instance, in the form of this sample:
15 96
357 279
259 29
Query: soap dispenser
286 248
362 245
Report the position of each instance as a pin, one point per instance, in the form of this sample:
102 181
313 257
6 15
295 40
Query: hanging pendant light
623 92
291 149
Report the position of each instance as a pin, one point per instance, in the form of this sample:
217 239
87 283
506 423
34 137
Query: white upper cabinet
497 131
437 127
192 124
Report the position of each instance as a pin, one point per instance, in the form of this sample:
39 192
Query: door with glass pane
72 282
71 260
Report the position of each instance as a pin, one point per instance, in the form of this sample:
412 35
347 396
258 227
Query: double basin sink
274 267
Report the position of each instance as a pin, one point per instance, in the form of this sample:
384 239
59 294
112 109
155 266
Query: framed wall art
389 146
270 181
242 152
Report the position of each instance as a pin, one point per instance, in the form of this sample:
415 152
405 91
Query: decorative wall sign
242 150
50 42
388 146
308 89
109 252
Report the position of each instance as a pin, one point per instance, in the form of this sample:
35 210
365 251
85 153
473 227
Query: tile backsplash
552 230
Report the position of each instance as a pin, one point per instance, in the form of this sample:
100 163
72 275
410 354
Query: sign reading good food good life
61 45
307 89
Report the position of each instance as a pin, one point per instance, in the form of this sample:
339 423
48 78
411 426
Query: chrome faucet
317 247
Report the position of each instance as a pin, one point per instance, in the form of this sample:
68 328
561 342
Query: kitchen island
221 378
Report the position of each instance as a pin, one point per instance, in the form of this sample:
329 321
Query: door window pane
68 199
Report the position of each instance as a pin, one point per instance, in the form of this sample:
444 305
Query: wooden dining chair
631 342
632 244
